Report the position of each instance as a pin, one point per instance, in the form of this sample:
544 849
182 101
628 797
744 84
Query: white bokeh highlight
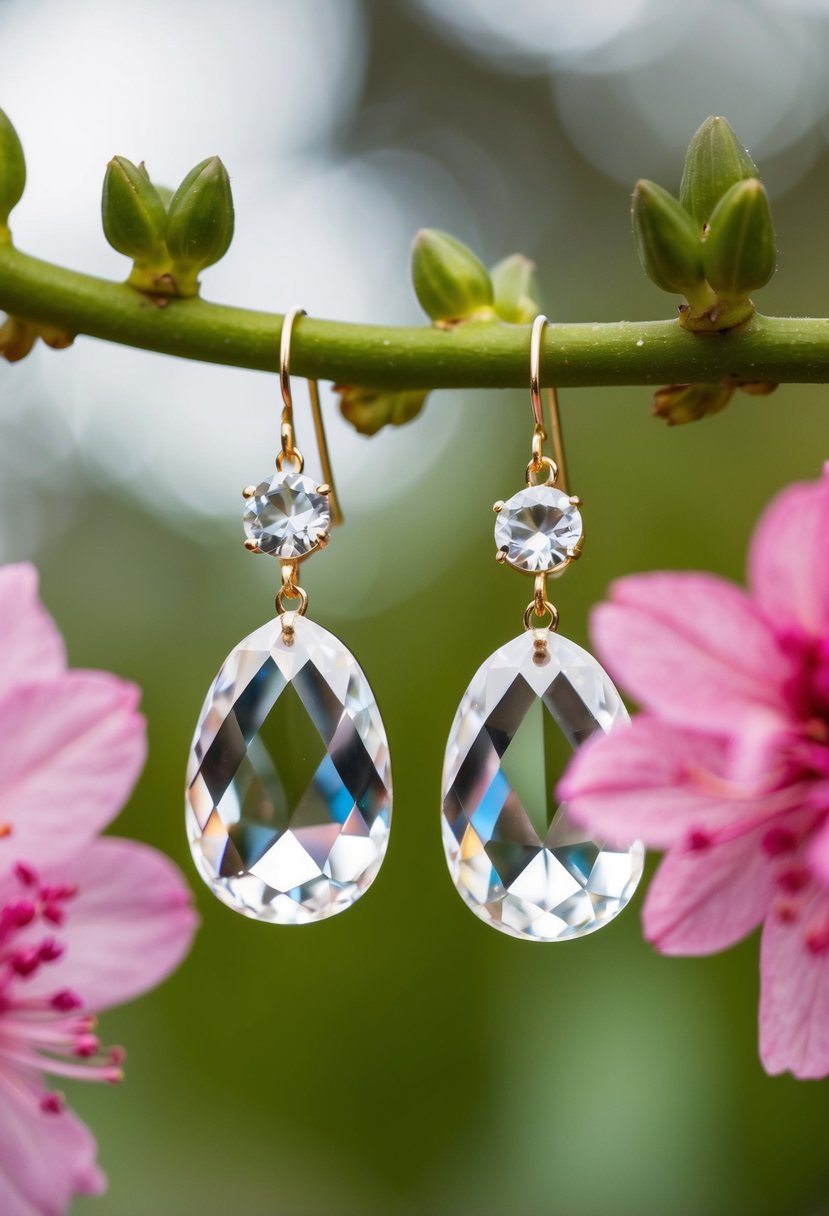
267 86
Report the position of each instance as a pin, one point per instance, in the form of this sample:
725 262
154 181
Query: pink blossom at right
726 768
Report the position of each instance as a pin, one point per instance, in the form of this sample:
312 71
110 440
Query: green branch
478 354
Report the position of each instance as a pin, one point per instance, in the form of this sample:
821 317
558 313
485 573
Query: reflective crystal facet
515 856
289 784
286 514
536 527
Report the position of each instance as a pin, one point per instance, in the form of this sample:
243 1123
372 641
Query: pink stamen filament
44 1034
64 1032
106 1069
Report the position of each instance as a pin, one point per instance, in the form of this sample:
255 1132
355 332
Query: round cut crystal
515 856
289 782
538 529
286 515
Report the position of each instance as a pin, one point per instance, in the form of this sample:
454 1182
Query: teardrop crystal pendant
289 784
516 858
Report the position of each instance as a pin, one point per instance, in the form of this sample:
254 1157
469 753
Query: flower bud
370 409
54 337
16 339
199 222
757 388
133 214
516 290
714 162
681 403
667 242
739 253
12 172
450 283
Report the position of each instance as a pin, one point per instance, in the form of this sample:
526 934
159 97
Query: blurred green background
404 1058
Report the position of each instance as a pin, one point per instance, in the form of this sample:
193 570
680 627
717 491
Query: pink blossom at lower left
86 921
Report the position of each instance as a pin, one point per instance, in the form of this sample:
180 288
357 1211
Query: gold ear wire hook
539 433
289 451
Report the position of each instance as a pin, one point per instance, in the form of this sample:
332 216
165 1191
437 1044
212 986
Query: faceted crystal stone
516 858
536 527
289 785
286 515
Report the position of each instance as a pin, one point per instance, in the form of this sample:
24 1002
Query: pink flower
727 768
85 923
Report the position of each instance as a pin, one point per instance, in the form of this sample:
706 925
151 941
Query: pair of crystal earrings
289 794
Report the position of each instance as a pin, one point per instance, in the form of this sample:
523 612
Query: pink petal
12 1203
130 925
756 750
691 648
70 752
642 781
45 1159
819 855
31 649
794 993
701 902
788 568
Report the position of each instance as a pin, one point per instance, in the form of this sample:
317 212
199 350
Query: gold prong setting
539 529
287 516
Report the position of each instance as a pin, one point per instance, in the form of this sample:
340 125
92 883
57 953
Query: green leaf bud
133 214
370 409
164 192
739 253
516 290
714 162
682 403
199 222
667 242
450 283
12 172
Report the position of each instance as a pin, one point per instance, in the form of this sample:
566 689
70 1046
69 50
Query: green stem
482 354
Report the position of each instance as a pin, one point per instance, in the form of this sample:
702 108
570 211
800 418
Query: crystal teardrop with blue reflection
515 856
288 799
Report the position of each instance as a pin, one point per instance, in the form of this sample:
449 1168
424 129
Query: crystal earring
288 799
515 857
